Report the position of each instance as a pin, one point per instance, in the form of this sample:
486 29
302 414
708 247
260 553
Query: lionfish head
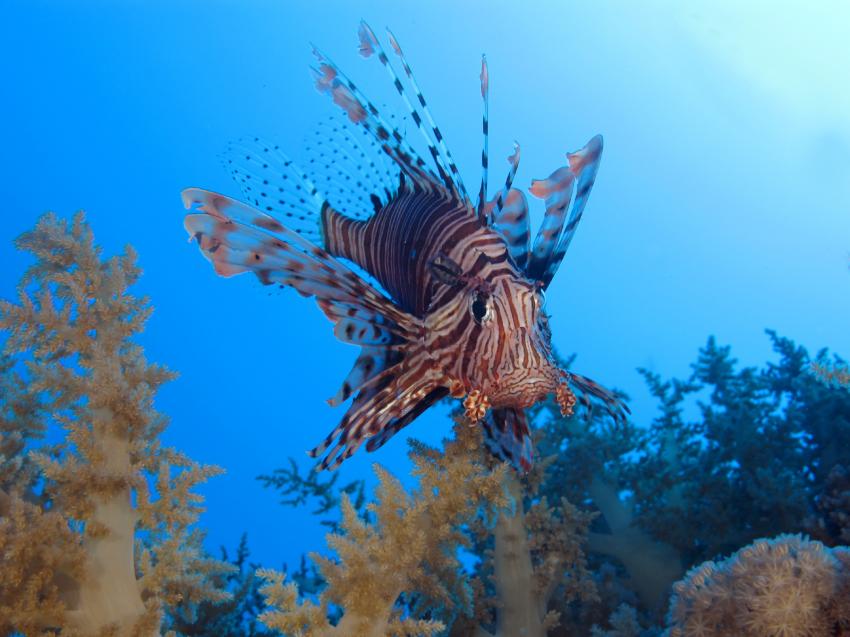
500 337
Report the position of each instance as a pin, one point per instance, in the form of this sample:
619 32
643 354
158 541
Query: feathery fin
557 230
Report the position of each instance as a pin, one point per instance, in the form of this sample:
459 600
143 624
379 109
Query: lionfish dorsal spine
485 130
438 135
369 45
332 81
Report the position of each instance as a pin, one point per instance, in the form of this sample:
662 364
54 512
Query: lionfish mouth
530 387
520 395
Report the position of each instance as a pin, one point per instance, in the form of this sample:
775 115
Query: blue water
721 206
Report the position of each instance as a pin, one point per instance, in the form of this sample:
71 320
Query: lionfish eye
480 309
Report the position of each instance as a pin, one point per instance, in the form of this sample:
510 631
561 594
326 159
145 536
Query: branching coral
786 587
652 565
235 617
830 519
835 374
624 623
74 516
410 548
398 572
536 554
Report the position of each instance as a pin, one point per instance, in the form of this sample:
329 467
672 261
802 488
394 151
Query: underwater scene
435 319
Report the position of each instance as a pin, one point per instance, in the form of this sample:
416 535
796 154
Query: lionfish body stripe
459 311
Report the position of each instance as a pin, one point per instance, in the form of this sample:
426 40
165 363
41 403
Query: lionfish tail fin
558 228
508 437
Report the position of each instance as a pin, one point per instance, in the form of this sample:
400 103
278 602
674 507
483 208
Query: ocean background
721 206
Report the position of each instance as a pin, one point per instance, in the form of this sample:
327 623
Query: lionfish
458 309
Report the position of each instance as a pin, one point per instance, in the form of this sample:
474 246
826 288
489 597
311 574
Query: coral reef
835 373
233 617
786 587
98 520
410 547
528 557
97 531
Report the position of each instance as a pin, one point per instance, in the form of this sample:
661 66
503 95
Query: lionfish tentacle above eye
554 236
508 214
485 129
512 222
513 160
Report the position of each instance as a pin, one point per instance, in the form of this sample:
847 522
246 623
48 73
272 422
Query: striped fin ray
584 164
557 230
615 407
345 94
458 180
367 369
508 437
370 45
556 190
513 160
374 411
485 129
236 238
397 424
274 184
511 220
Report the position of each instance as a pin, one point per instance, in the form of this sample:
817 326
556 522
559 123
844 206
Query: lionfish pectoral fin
237 238
378 412
613 404
508 437
392 380
272 183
